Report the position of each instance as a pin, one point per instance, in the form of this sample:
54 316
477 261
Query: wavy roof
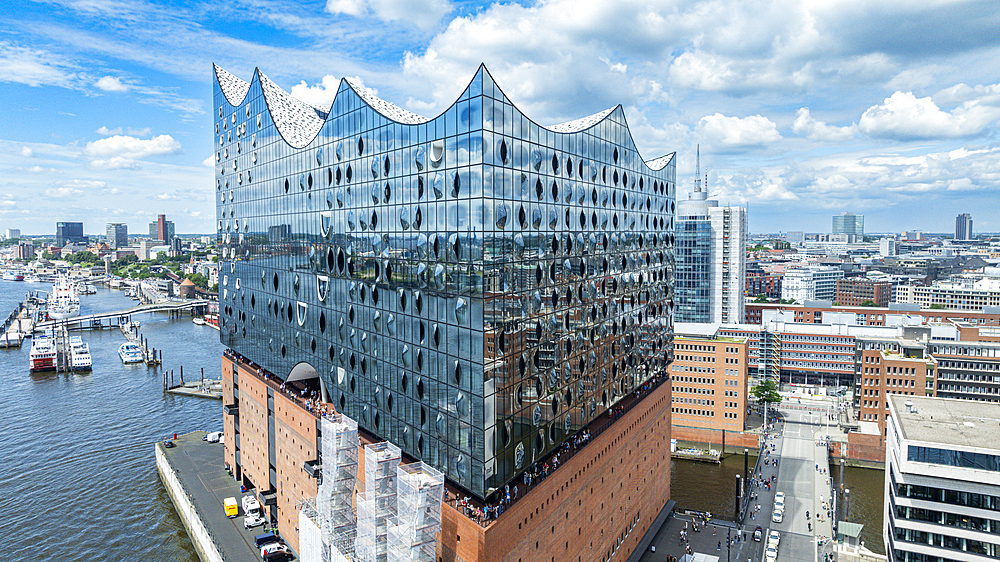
299 123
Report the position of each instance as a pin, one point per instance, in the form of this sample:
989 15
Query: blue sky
803 109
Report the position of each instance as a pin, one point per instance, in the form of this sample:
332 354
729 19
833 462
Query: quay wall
203 543
861 449
735 441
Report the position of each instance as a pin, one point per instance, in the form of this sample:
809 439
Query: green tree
937 306
766 392
761 299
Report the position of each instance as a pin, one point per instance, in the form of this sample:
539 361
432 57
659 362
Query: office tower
475 289
12 234
69 232
161 229
942 480
963 227
117 235
710 258
887 247
849 223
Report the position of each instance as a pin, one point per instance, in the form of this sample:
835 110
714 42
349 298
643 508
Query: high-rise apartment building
887 247
475 289
12 234
69 232
710 259
812 282
161 229
117 235
849 223
942 480
963 227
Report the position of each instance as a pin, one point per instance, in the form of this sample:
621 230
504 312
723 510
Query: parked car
250 504
758 533
270 549
278 557
212 437
169 443
771 553
253 519
773 538
778 515
779 497
265 538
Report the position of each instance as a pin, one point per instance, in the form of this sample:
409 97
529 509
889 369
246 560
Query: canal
709 487
79 480
867 488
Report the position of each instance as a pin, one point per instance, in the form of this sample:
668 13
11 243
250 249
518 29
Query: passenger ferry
80 359
130 353
63 302
11 275
43 354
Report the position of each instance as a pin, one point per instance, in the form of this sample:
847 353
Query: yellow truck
232 508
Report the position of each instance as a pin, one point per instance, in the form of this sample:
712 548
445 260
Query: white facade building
942 480
887 247
811 283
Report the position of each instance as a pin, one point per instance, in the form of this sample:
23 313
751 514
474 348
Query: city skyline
816 112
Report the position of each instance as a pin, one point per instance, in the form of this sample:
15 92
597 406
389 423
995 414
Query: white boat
130 353
43 354
63 302
80 359
198 320
12 275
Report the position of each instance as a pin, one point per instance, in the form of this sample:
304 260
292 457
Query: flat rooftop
948 421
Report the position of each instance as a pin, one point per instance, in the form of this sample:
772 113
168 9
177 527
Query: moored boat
80 359
43 354
130 353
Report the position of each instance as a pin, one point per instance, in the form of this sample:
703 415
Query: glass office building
694 270
474 287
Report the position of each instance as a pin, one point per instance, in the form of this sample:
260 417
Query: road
803 476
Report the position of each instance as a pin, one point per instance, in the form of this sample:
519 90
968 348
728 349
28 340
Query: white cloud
209 162
145 132
115 163
27 152
320 95
87 184
33 67
111 84
63 192
166 197
735 134
903 116
122 151
809 127
421 13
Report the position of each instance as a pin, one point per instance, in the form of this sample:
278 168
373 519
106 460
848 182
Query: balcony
231 409
313 468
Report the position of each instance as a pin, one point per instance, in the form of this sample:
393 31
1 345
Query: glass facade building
694 268
117 235
69 232
473 287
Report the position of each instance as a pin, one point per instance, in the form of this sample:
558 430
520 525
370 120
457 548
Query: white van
213 437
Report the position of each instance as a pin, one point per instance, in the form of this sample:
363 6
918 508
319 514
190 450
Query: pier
150 357
123 317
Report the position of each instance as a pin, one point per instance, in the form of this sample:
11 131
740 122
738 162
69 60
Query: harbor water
701 486
78 478
867 488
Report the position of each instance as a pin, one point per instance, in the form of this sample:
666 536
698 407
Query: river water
78 477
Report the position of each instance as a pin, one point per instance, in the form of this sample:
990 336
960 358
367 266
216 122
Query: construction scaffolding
327 526
377 505
420 489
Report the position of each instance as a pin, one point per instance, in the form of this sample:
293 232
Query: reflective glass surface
474 288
